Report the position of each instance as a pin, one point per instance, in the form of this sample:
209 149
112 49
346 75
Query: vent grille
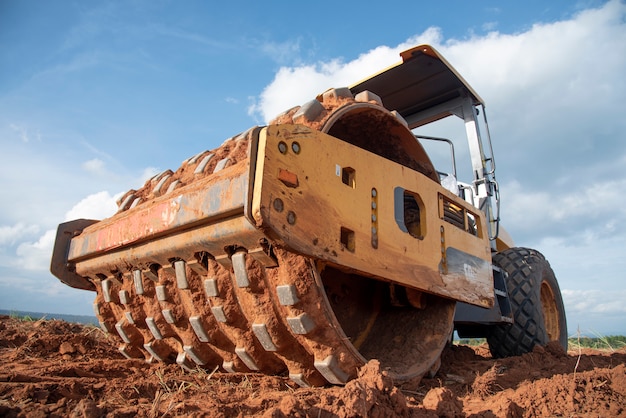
458 216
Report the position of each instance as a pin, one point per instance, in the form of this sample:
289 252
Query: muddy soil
54 368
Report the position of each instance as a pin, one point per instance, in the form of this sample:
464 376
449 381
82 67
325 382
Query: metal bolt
295 147
282 147
278 205
373 192
291 217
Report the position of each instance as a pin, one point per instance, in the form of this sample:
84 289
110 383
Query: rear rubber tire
536 303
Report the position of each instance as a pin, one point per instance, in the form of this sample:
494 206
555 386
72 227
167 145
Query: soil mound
58 369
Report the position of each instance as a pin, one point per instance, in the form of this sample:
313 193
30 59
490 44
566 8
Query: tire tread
524 267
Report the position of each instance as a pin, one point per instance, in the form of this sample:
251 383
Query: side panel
327 199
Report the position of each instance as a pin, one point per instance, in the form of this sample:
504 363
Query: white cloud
595 301
23 133
489 26
9 235
535 208
36 255
94 166
593 312
297 85
95 206
280 52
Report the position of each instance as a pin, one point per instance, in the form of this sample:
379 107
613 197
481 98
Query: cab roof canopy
423 87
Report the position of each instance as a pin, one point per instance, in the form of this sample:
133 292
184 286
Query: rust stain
288 178
213 197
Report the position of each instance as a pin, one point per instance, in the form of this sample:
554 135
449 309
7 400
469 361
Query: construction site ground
54 368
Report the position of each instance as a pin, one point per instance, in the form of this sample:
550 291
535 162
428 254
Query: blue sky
95 97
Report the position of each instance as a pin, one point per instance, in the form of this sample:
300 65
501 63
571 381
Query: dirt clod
86 408
443 402
52 368
66 348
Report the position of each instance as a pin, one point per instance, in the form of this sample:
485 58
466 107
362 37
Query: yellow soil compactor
318 242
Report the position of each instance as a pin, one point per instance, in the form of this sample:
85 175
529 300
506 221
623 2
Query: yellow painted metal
314 194
504 240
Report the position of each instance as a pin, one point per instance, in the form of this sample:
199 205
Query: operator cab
424 88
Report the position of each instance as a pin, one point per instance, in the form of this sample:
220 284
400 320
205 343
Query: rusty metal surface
212 238
209 200
59 265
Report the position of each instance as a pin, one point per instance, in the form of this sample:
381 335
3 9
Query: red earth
54 368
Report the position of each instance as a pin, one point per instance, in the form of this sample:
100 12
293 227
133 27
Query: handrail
435 138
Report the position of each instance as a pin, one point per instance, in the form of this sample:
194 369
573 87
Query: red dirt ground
57 369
